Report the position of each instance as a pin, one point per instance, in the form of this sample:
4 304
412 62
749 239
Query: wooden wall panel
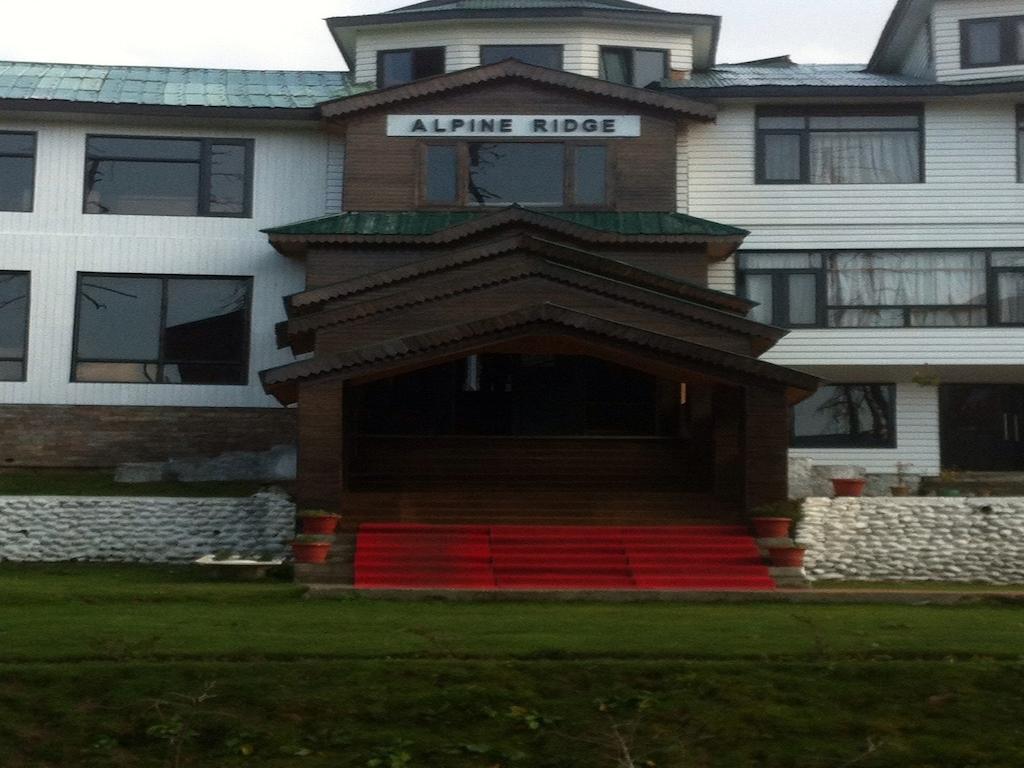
321 430
382 173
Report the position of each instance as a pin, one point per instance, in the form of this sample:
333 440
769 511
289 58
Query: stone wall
145 530
908 539
106 435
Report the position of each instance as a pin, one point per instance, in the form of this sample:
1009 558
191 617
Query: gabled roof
897 36
425 348
512 69
312 300
61 85
430 227
509 275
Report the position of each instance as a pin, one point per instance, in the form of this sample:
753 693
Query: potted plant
307 548
902 488
773 521
318 522
848 486
787 557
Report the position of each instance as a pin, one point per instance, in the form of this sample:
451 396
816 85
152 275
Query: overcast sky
270 34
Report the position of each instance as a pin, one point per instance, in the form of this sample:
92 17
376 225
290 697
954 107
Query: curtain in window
946 280
865 157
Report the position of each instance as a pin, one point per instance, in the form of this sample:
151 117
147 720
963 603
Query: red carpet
693 557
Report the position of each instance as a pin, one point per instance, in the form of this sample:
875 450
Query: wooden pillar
765 447
321 440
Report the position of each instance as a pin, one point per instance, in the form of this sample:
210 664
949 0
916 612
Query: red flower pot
771 527
311 552
853 486
787 557
321 525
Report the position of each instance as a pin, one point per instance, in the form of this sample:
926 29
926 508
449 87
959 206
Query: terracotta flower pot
771 527
787 557
850 486
319 525
310 551
900 490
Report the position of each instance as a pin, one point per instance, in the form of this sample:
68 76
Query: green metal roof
172 86
425 223
519 5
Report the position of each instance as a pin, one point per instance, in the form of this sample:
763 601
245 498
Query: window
884 289
504 173
168 177
877 147
639 67
401 67
991 42
162 330
549 56
13 325
17 171
847 416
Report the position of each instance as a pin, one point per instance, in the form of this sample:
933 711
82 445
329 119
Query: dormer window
409 65
992 42
639 67
549 56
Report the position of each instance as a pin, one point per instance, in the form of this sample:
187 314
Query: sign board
515 126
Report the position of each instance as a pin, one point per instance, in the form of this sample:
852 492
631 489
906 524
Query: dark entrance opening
982 427
539 421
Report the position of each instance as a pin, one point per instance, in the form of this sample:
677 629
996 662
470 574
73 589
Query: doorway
982 427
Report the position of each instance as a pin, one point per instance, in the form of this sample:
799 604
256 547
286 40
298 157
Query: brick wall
104 436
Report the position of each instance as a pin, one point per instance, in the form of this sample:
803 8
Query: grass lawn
134 666
100 482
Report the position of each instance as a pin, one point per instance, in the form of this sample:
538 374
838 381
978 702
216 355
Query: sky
270 34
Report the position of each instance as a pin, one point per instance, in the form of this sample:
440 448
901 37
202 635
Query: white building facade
884 202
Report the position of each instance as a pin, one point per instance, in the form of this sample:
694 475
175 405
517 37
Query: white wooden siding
722 275
918 61
970 170
947 17
581 52
917 437
57 241
683 172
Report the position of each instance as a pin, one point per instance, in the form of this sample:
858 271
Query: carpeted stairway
529 557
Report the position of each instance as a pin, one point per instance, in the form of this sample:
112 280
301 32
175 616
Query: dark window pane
442 169
395 68
781 157
591 175
17 144
759 289
616 65
648 67
400 67
227 178
803 299
119 318
865 318
790 123
865 122
1010 288
200 373
12 370
846 415
427 62
983 43
949 317
102 148
206 320
13 314
136 187
549 56
16 183
531 174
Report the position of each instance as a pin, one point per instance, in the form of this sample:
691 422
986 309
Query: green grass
152 666
100 482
